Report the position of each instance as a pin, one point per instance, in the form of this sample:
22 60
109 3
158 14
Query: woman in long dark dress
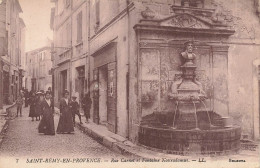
65 124
38 108
32 103
46 124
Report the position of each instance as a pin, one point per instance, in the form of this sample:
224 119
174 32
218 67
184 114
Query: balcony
64 57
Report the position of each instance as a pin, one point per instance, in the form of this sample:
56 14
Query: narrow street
23 141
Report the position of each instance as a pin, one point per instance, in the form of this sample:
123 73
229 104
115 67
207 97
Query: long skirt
46 125
32 112
38 110
87 113
65 123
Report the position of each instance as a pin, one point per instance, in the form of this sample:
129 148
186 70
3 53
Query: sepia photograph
129 83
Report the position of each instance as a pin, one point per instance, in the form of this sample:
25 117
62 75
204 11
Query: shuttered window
98 12
79 27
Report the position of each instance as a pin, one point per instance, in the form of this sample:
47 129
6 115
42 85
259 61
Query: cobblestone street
23 141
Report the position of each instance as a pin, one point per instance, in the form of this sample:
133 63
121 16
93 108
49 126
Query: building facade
132 58
12 34
38 65
70 42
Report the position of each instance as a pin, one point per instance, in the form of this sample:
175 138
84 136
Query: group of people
42 108
34 101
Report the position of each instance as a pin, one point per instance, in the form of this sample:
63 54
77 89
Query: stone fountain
194 129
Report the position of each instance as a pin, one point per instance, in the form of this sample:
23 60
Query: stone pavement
23 141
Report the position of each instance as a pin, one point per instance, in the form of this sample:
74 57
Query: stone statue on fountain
188 69
188 54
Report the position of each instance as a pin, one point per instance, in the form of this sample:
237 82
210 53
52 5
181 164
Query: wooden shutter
98 12
79 27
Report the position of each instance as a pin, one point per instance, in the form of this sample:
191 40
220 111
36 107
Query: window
97 12
68 35
79 27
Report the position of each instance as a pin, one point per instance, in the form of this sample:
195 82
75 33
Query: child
19 104
74 106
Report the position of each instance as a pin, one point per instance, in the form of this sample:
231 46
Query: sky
36 16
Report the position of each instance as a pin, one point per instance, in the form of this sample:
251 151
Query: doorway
80 84
103 94
63 82
6 85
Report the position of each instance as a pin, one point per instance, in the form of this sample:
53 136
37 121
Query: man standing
74 106
86 103
26 97
19 104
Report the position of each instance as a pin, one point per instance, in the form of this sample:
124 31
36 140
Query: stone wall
244 50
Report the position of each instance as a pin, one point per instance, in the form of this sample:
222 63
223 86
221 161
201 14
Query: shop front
6 84
105 87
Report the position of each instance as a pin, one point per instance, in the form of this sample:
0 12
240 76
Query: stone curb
3 130
107 141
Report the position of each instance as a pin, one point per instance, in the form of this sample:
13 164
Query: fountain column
187 93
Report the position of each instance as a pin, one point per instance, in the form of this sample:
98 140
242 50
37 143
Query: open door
96 97
111 98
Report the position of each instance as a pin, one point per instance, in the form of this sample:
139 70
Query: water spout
210 124
196 117
177 103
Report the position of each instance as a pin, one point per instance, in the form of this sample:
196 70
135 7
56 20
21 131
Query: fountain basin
215 141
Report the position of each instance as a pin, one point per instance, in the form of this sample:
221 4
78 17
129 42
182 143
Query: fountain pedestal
189 94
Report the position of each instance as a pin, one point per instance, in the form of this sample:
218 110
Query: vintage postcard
129 83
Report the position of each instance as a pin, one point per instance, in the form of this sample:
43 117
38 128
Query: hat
188 42
39 93
66 92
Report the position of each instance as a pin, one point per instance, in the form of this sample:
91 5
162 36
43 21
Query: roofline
39 49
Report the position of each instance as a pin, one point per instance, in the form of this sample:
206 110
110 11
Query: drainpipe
128 73
71 52
1 84
89 69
